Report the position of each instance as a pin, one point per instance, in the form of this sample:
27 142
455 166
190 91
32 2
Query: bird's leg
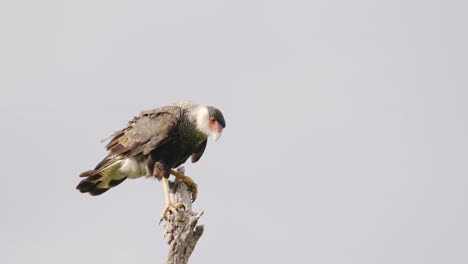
173 208
187 180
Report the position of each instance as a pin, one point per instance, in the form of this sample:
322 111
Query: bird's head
210 121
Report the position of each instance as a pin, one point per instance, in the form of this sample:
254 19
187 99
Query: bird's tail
99 181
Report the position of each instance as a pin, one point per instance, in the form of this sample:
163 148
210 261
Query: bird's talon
180 205
193 187
194 192
188 181
174 209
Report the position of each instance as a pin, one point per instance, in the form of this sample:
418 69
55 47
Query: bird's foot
174 209
187 180
190 183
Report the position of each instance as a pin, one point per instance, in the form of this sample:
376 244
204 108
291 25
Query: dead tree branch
182 235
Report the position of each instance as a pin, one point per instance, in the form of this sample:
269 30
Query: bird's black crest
217 115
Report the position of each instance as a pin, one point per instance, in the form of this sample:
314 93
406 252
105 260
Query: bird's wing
199 151
143 134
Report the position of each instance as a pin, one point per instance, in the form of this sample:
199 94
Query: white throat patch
203 120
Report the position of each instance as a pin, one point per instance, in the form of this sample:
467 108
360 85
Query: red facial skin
215 126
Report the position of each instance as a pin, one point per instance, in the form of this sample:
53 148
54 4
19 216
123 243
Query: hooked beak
216 131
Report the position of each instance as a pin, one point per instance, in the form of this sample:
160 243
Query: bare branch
182 235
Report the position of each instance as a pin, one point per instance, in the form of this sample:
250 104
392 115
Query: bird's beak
216 131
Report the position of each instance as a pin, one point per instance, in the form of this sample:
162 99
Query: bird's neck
189 127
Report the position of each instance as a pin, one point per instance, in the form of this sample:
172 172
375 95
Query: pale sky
345 140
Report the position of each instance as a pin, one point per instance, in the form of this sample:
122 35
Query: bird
154 144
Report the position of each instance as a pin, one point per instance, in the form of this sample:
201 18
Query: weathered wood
182 235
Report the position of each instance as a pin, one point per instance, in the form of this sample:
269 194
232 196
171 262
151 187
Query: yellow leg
173 208
187 180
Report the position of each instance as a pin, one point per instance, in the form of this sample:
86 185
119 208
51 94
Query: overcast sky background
345 140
